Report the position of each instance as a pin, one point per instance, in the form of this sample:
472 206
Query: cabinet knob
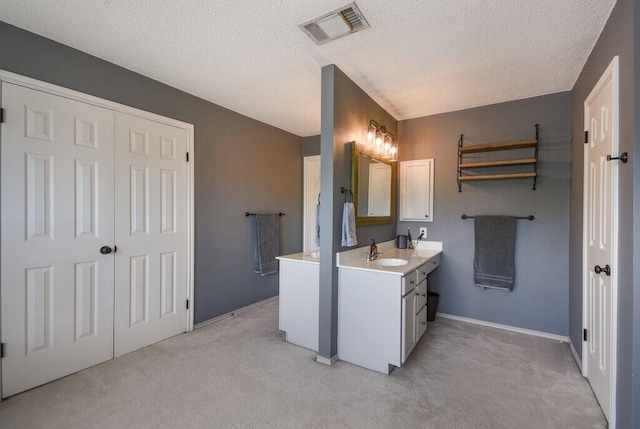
424 294
424 323
412 282
424 273
426 215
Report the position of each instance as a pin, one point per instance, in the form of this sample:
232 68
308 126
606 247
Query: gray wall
311 145
346 111
539 300
241 165
617 38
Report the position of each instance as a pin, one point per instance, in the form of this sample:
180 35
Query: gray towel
267 243
349 237
493 265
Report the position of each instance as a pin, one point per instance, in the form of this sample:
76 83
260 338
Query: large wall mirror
373 183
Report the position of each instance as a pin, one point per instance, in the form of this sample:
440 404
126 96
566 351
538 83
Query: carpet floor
240 373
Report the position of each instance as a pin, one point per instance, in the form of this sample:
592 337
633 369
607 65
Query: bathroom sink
390 262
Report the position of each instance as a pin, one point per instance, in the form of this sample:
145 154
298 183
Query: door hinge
1 115
584 335
187 304
187 156
586 137
1 350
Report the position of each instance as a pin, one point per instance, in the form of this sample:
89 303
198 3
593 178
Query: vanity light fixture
380 142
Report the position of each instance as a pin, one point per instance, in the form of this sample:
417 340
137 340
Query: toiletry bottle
373 249
409 242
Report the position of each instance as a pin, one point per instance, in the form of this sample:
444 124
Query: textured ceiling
418 58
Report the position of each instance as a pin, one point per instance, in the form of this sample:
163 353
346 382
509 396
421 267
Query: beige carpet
239 373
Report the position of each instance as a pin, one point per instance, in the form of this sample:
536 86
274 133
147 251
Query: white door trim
611 73
27 82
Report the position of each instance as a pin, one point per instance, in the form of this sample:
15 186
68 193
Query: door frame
27 82
611 73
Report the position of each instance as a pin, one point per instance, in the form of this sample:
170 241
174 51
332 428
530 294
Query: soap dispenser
373 249
409 241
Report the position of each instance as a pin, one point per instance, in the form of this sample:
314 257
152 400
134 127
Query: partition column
329 226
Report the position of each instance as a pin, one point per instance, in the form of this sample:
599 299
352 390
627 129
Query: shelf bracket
535 166
460 162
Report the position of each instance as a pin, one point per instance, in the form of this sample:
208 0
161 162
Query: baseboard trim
235 312
325 361
506 327
575 355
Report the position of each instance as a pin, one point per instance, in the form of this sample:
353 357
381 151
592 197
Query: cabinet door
421 323
408 324
422 295
416 190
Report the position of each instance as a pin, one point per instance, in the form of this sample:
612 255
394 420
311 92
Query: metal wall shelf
493 147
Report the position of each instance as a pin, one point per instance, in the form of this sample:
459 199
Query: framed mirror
373 183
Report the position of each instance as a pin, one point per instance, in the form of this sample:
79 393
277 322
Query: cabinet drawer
421 299
421 272
431 265
408 283
421 323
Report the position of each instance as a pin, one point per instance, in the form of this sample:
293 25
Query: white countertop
355 259
305 257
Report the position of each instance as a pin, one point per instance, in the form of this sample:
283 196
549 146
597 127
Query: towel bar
253 214
347 192
530 217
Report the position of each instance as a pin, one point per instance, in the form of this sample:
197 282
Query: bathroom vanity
299 298
382 303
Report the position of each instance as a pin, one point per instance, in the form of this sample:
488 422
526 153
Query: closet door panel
151 232
56 213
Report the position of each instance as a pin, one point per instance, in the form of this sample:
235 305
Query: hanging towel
495 243
318 223
267 243
349 226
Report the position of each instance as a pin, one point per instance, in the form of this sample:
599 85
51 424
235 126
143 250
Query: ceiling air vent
340 22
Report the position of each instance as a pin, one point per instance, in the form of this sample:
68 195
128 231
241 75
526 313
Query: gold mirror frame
371 220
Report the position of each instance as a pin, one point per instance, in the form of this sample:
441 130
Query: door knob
598 269
105 250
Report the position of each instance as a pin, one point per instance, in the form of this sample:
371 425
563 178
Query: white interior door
600 238
57 212
311 200
151 232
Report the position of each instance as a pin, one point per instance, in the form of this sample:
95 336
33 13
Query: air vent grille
352 18
333 25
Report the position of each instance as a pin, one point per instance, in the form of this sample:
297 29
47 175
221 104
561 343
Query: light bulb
370 132
378 139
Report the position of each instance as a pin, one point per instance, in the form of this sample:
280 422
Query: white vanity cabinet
416 190
299 299
381 314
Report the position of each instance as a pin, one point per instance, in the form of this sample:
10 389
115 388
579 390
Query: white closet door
151 232
57 212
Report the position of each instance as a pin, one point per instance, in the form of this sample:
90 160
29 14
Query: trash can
432 305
